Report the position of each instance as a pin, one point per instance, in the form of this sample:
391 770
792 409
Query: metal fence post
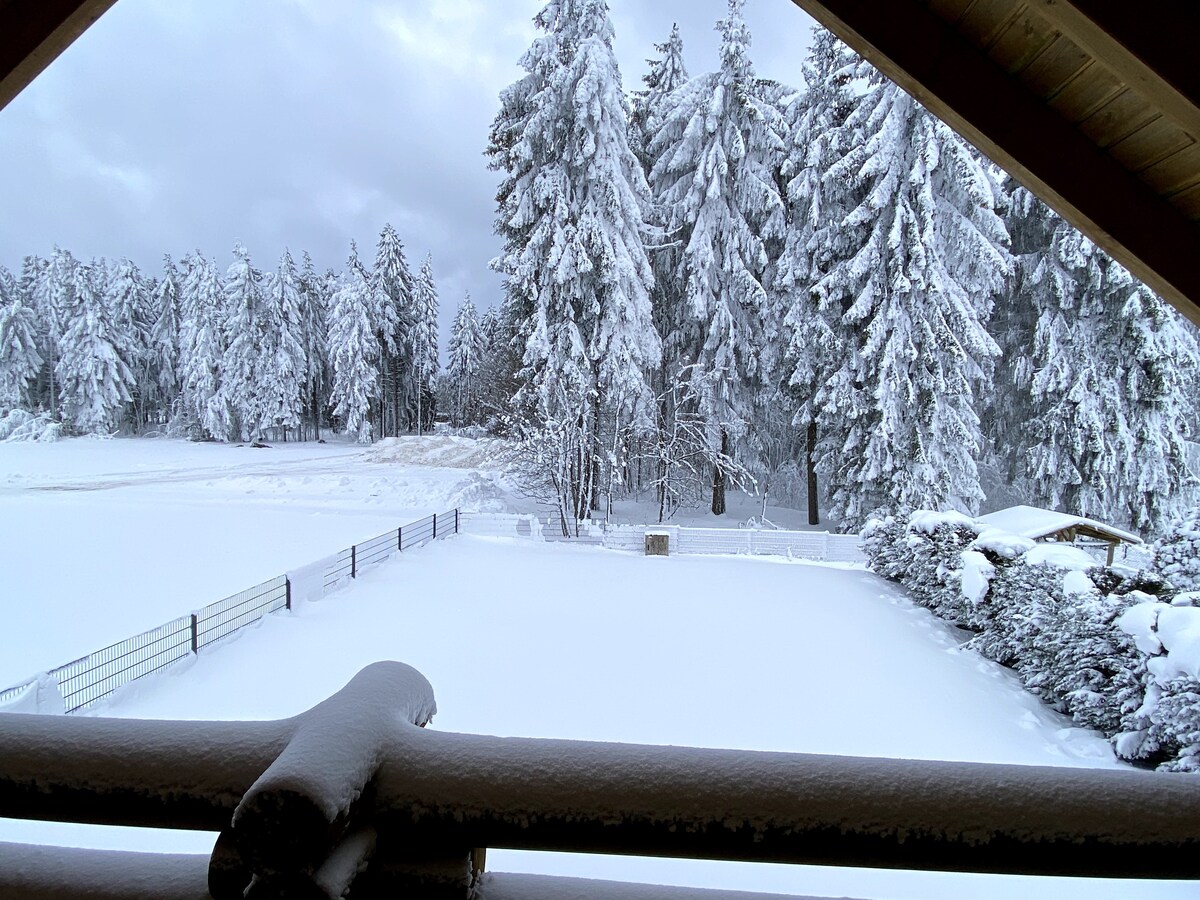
456 520
195 634
287 585
435 526
400 538
353 560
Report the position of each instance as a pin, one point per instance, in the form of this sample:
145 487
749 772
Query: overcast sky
192 124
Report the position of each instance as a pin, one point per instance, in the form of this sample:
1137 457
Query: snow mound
443 450
1062 556
21 425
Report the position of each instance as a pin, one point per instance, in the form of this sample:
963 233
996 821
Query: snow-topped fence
813 545
84 681
354 797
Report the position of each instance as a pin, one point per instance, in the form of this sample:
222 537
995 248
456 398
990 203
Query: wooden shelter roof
1037 524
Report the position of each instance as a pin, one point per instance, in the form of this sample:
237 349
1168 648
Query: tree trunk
814 517
718 493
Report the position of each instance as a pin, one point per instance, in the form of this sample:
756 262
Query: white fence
814 545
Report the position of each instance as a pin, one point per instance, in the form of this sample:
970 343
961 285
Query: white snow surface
1062 556
517 638
1033 522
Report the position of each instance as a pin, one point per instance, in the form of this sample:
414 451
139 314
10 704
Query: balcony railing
354 792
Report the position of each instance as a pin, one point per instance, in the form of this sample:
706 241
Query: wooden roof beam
35 32
959 84
1147 45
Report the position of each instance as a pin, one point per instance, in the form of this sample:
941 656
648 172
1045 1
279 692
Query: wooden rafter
34 32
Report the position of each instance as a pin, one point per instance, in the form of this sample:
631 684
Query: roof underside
1092 105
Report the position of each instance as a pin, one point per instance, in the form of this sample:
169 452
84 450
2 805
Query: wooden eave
34 32
1091 104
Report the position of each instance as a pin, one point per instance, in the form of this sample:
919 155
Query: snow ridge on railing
89 679
354 796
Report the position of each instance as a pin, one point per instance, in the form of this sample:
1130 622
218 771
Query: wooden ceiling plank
35 33
1188 202
1117 119
1022 42
987 20
1045 153
1090 90
950 11
1055 67
1155 53
1150 144
1176 173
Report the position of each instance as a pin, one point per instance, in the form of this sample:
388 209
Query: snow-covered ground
517 637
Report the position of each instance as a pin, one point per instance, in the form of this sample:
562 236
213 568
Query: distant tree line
825 290
101 346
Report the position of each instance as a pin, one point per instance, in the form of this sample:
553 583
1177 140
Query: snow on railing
91 678
352 795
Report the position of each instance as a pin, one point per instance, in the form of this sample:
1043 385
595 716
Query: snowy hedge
1117 650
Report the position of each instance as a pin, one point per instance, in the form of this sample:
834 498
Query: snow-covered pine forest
711 282
819 291
236 355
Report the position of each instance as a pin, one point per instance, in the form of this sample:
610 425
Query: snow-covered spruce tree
248 338
571 215
203 411
1102 374
463 368
392 314
128 298
716 153
354 349
285 369
814 338
666 75
929 254
95 379
20 360
52 290
314 299
164 342
1176 553
424 344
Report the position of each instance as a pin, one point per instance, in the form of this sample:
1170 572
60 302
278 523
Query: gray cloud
306 123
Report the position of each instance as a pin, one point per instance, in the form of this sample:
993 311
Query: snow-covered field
517 637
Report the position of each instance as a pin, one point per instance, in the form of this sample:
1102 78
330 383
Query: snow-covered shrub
22 425
924 553
1163 726
1177 553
